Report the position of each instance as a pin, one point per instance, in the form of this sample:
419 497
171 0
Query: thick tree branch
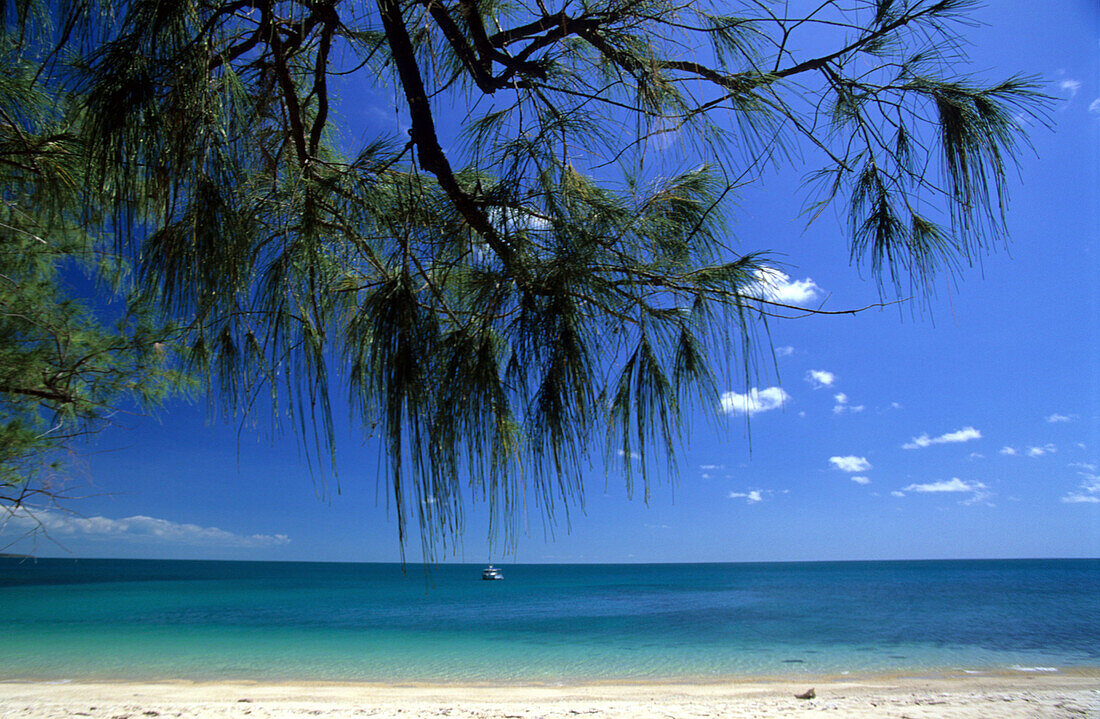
457 39
330 21
289 92
50 395
424 135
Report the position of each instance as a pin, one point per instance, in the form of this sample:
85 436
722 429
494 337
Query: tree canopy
544 258
68 363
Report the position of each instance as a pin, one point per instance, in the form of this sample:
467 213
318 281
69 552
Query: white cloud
965 434
1070 87
843 406
861 480
1054 418
978 491
952 485
1088 491
784 351
820 378
710 467
1095 106
1087 466
850 463
756 400
137 528
1037 451
1023 120
976 498
896 493
777 286
633 455
750 497
960 435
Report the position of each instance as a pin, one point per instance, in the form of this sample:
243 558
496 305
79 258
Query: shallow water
126 619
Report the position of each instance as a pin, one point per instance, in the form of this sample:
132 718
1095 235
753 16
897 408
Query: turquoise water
123 619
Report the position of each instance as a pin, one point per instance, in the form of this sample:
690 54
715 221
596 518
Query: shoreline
945 674
1070 693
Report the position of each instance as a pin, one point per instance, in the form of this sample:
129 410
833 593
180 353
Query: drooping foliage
540 269
68 362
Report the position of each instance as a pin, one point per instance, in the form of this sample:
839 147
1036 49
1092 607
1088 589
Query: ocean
88 619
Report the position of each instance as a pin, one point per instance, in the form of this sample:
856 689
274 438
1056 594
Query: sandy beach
1012 695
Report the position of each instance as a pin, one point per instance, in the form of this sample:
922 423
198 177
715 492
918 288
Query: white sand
1072 695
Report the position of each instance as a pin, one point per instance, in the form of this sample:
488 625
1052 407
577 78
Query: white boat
491 572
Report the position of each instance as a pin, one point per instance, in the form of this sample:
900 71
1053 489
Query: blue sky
968 428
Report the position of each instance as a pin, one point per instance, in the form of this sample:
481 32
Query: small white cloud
711 467
952 485
784 351
895 405
1087 466
1040 451
961 435
776 286
136 528
750 497
1070 87
1091 483
850 463
1009 451
978 492
861 480
1094 107
842 405
965 434
1088 491
1055 418
755 401
896 493
1023 120
633 455
976 455
820 378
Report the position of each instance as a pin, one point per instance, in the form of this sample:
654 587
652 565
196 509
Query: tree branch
424 135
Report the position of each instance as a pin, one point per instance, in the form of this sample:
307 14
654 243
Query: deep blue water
125 619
